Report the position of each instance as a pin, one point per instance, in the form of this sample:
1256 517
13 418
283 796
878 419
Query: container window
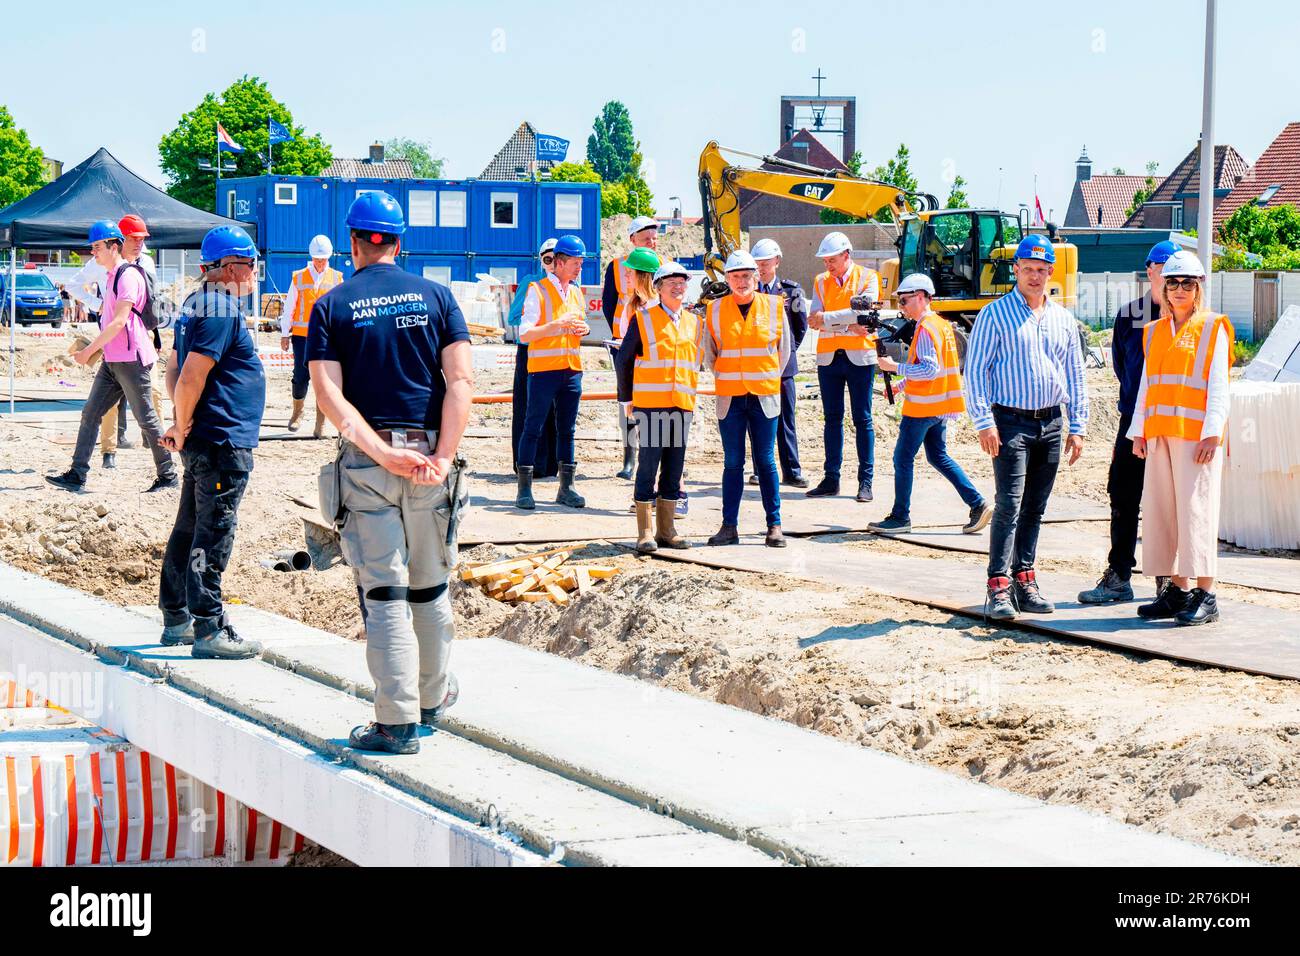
439 274
286 194
503 273
568 211
504 208
230 204
451 209
420 207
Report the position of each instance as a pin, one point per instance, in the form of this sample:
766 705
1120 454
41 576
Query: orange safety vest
1178 373
942 394
309 292
667 375
556 352
834 297
623 286
749 348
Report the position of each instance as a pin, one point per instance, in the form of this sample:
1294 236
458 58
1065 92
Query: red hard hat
133 226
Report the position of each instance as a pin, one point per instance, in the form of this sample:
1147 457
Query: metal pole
13 312
1205 209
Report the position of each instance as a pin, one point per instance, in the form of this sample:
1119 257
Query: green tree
1143 194
957 194
21 168
1260 230
423 163
1118 171
243 110
611 147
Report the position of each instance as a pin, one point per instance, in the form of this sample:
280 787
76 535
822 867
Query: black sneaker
430 714
174 634
753 479
1202 608
1168 603
980 516
864 491
162 484
224 644
69 481
798 481
1027 596
891 525
385 738
1111 589
825 488
997 602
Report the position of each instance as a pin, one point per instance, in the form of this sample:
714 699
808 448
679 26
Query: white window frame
291 199
500 273
453 208
429 213
230 204
571 203
513 199
439 274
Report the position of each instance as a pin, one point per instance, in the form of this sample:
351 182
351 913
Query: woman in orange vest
1178 423
305 288
643 233
552 326
932 397
747 346
658 368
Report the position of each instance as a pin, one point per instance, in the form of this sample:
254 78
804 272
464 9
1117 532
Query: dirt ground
1207 755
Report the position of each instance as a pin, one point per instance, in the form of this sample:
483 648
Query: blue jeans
833 379
745 416
301 373
563 391
912 434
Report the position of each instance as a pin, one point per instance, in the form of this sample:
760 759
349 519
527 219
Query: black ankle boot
1168 603
568 496
524 496
629 461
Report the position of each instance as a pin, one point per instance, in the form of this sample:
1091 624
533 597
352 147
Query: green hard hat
643 260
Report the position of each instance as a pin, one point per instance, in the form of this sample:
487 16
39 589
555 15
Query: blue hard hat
1161 252
105 229
376 212
226 241
571 246
1036 247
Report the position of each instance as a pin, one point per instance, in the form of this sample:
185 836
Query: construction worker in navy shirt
390 365
218 391
1127 471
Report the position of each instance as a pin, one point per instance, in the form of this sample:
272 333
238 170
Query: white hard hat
1183 263
641 222
670 268
738 261
320 248
833 245
916 282
547 246
765 249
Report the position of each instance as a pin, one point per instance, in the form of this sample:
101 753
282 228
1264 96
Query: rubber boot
568 496
524 496
319 430
295 420
645 540
629 461
666 535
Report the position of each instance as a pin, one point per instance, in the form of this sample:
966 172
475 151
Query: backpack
148 312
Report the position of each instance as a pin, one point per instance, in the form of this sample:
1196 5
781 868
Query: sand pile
675 242
82 544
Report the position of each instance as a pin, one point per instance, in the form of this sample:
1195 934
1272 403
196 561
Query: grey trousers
112 381
394 537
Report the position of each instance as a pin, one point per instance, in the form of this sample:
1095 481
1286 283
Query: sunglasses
548 259
1185 284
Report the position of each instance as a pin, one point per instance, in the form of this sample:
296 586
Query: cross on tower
819 79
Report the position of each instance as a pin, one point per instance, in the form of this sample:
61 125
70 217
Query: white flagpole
1205 207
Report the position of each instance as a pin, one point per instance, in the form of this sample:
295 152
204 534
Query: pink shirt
135 338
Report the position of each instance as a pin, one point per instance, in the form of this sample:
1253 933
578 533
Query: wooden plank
600 573
558 594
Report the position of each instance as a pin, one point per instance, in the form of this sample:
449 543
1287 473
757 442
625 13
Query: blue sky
974 86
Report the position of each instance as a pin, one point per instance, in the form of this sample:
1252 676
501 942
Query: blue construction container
570 209
444 269
503 218
437 217
346 191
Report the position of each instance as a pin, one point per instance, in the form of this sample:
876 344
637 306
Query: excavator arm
721 183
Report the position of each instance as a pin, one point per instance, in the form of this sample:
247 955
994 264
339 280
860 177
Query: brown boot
296 418
666 535
775 537
319 430
645 541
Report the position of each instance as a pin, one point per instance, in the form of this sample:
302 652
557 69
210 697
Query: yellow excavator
967 253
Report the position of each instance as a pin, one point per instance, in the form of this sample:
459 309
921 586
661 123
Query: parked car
38 299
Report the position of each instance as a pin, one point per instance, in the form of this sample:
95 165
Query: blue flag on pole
278 133
551 148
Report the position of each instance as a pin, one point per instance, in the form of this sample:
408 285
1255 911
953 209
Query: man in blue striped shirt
1024 362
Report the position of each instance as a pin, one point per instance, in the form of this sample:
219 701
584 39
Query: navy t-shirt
229 412
387 328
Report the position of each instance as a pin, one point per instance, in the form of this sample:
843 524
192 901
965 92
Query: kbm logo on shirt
409 308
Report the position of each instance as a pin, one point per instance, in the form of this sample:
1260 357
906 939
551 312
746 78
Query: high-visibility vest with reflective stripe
667 375
556 352
748 347
308 293
623 286
942 394
834 297
1178 373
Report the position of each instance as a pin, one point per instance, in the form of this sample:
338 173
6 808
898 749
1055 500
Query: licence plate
40 311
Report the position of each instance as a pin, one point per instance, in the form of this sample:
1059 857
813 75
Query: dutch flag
224 143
